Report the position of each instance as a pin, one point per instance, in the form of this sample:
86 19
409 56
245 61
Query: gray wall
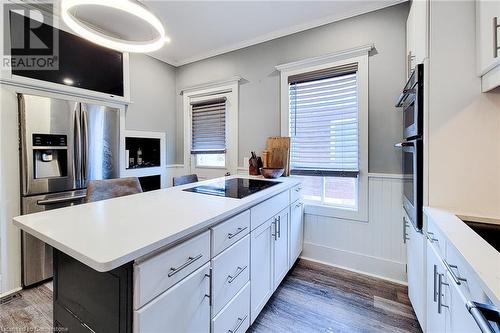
152 90
259 115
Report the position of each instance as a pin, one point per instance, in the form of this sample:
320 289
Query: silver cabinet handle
409 58
238 324
239 270
434 281
458 280
298 205
275 224
298 189
209 295
239 230
440 293
279 226
405 235
496 48
175 270
430 237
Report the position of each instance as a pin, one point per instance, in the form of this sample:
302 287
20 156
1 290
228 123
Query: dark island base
86 300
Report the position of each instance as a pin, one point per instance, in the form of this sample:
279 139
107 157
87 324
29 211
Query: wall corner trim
339 55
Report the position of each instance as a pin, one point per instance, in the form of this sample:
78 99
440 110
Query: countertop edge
435 214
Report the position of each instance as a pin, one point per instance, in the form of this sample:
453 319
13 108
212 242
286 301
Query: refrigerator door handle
85 144
61 200
77 165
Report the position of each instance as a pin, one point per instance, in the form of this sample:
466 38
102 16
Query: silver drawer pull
458 280
430 237
239 230
238 324
174 270
440 293
239 270
298 189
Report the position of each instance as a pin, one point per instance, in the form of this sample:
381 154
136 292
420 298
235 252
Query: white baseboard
10 292
377 267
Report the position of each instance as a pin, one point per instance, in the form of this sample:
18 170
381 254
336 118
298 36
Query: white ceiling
201 29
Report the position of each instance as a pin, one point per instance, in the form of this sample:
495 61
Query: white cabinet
417 34
261 263
281 227
459 319
436 320
415 247
183 308
296 231
488 42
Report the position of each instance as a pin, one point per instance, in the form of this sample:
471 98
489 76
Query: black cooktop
233 188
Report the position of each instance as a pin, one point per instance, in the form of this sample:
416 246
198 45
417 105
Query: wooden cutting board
279 153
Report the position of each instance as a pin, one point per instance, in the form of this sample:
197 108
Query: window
323 123
324 109
208 132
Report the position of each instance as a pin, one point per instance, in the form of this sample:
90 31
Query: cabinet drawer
157 274
461 276
231 271
267 209
436 238
229 232
183 308
296 193
235 316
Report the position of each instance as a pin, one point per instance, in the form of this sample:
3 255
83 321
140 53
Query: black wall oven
411 102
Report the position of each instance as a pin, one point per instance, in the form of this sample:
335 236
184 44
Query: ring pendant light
132 7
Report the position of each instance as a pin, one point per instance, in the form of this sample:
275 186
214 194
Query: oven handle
404 144
477 309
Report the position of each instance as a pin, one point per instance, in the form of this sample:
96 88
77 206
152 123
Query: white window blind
209 127
324 122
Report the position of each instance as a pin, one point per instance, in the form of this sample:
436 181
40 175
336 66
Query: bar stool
112 188
187 179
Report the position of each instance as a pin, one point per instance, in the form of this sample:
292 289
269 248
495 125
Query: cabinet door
416 34
459 320
435 320
183 308
415 268
261 264
281 227
296 231
488 36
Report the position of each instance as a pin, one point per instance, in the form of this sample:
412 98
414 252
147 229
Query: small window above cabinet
488 43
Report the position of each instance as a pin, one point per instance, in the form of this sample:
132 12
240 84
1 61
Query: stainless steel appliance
64 144
411 101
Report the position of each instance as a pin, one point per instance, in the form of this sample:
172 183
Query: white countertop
484 260
109 233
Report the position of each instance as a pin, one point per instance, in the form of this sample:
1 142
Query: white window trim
228 88
359 55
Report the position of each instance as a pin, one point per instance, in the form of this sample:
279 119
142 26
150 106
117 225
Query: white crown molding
276 34
326 58
211 84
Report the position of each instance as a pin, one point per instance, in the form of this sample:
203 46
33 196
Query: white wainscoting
375 248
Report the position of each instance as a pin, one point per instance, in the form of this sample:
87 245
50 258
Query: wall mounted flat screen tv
78 62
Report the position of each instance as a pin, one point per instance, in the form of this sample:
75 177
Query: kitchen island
170 260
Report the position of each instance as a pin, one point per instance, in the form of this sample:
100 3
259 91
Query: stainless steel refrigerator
64 144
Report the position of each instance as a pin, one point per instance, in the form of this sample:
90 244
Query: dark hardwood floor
312 298
319 298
